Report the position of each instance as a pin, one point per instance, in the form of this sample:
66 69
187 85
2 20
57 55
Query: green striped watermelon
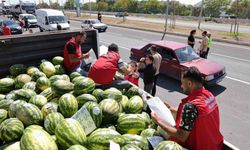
5 104
68 105
82 99
59 70
38 100
49 94
61 87
110 110
95 112
51 121
3 115
35 138
47 68
2 96
11 130
49 108
54 78
137 140
11 146
58 60
132 91
14 107
98 94
37 75
78 79
73 75
17 69
109 126
124 101
6 85
168 145
42 83
25 94
130 147
130 123
147 118
70 132
134 105
30 85
84 86
77 147
112 93
11 95
149 132
31 70
100 139
29 114
21 79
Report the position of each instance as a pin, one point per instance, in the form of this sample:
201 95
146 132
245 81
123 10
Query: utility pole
200 16
236 17
166 19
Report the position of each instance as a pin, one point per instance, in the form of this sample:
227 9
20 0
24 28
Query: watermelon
5 104
82 99
35 138
17 69
137 140
149 132
31 70
100 139
37 75
98 94
61 87
30 85
109 126
84 86
146 118
58 60
25 94
11 146
132 91
74 74
21 80
68 105
124 101
78 79
49 94
168 145
70 132
11 95
54 78
29 114
131 124
38 100
134 105
110 110
42 83
14 107
47 68
112 93
6 85
130 147
59 70
49 108
95 112
3 115
77 147
2 96
11 130
51 121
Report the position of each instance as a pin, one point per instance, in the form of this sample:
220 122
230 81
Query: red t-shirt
6 30
131 78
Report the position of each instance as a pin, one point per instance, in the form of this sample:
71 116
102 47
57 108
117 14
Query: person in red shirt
197 117
6 30
104 69
132 75
73 53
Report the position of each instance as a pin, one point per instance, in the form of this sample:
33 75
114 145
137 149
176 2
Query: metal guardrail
29 49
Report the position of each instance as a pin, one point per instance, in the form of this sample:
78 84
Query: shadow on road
217 89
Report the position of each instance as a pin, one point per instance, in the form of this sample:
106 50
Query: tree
55 5
153 6
213 8
121 5
102 6
90 5
69 4
242 9
43 5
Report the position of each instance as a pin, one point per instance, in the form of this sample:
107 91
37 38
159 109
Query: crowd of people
197 117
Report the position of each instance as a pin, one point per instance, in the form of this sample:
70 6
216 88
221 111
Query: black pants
154 87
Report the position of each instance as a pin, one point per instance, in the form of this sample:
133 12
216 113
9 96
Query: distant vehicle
14 27
177 57
31 19
48 19
121 14
6 10
95 23
23 8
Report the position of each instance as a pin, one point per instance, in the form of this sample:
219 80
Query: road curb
177 34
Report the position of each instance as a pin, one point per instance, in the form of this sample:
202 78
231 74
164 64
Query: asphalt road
232 93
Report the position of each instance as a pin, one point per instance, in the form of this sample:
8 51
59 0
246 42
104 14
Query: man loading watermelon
197 117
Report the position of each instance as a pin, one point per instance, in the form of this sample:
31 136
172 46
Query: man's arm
71 51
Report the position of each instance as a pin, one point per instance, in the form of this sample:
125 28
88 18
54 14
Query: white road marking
231 57
231 78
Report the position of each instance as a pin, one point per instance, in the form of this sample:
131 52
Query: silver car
96 24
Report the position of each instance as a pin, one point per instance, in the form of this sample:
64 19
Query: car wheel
41 30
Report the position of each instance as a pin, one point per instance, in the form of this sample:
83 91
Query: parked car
86 24
177 57
31 19
121 14
14 27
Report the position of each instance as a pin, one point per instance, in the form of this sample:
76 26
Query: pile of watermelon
38 104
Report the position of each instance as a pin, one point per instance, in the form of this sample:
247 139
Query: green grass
232 34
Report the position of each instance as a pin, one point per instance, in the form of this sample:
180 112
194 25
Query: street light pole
166 19
200 16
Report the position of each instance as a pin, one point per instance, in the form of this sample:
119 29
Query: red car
177 57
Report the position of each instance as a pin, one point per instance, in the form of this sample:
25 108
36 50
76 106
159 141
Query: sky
192 2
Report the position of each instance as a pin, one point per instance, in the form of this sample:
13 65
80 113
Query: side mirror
46 23
68 22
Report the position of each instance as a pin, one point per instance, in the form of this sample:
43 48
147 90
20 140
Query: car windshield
31 17
25 7
186 54
56 19
9 22
94 21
